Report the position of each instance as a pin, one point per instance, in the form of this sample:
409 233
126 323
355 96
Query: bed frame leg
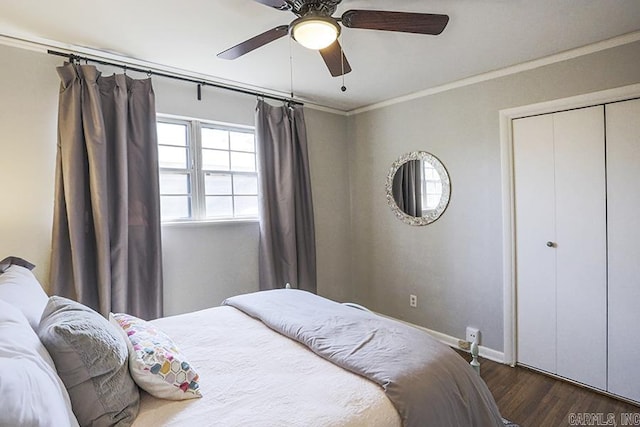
475 364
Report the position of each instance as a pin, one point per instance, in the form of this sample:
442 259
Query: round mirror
418 188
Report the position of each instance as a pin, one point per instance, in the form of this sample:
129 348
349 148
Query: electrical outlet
473 334
413 301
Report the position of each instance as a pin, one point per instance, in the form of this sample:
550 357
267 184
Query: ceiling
482 36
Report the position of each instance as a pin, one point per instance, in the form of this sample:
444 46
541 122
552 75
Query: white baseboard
486 352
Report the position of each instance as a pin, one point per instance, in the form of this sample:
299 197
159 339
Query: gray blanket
428 383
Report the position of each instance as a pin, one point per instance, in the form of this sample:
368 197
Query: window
431 187
207 171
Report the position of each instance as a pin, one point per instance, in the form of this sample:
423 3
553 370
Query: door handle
551 245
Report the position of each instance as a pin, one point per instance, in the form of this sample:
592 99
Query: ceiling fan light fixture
315 32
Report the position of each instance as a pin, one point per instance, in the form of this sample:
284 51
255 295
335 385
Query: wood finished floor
532 399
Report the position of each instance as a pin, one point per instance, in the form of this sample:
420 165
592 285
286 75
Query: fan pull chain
343 87
291 66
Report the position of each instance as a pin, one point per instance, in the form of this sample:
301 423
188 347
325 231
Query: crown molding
502 72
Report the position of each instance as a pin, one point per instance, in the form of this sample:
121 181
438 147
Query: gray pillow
91 359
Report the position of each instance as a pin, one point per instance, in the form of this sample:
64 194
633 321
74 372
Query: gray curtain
407 188
287 235
106 248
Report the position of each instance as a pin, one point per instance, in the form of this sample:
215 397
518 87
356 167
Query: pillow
155 362
14 260
91 358
32 393
20 288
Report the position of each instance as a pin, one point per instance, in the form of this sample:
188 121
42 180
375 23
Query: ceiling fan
316 29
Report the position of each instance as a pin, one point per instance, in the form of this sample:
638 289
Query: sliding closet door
581 272
535 225
623 204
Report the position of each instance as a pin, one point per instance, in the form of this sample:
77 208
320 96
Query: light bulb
315 33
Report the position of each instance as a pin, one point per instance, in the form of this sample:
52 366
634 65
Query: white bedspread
251 376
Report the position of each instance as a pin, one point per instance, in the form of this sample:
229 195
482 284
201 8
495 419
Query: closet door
560 217
623 204
581 247
535 225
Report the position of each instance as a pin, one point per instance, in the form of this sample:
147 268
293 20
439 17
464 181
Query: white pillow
20 288
155 362
32 393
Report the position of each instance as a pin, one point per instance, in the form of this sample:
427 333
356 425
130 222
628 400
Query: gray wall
454 265
203 263
329 163
28 116
364 253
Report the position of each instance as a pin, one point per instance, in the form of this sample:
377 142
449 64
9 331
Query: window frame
197 173
425 187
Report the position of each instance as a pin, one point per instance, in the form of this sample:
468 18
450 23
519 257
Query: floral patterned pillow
155 362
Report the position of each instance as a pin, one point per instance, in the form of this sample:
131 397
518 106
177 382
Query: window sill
206 223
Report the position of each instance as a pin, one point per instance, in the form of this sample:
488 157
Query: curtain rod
72 57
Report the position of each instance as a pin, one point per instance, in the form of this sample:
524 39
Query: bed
259 376
271 358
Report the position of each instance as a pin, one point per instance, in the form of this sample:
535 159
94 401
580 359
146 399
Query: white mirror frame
432 215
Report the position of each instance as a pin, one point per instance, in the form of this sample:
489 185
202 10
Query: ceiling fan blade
276 4
334 58
254 42
406 22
